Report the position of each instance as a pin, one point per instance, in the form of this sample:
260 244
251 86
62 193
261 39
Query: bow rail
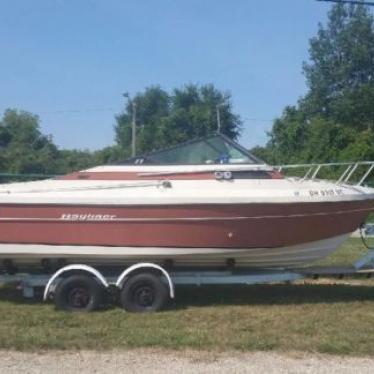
313 170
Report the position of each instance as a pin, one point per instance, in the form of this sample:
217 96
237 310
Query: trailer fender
145 265
65 269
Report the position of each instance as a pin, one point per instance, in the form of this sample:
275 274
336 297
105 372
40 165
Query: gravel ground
157 361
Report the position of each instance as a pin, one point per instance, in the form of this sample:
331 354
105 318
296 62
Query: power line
93 110
258 119
354 2
63 111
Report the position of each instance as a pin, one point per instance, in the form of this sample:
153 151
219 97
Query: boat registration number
327 192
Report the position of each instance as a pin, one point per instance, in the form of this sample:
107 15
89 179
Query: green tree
288 135
360 148
109 155
336 116
165 119
340 74
23 148
151 107
74 159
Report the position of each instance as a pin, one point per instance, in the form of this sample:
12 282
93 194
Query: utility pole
218 114
218 119
133 123
133 128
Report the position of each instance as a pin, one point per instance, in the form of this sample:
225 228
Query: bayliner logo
87 217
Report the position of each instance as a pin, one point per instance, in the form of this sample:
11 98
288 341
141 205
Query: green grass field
330 317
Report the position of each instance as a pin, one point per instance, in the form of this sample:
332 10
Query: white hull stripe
280 256
171 219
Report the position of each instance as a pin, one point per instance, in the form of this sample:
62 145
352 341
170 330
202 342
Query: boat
204 203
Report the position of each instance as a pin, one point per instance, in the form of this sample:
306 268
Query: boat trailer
146 287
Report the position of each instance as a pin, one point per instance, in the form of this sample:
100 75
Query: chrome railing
346 177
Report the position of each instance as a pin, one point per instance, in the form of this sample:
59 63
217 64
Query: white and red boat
212 204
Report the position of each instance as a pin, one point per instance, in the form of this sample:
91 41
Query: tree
336 116
24 149
165 119
74 159
151 107
288 135
340 74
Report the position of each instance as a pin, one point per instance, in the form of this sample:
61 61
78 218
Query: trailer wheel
79 293
143 292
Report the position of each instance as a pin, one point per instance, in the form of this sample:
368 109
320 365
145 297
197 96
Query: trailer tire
143 292
78 293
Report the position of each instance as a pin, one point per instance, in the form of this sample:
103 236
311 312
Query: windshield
214 150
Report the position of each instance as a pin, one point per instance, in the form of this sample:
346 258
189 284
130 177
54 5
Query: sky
69 61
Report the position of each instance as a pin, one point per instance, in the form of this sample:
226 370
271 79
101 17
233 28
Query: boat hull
196 226
270 235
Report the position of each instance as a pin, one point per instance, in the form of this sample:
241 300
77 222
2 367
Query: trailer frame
114 279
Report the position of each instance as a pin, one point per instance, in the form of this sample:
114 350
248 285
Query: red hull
209 226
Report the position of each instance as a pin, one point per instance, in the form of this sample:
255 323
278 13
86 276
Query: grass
329 318
348 253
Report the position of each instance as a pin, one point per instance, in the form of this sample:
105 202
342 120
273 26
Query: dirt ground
157 361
